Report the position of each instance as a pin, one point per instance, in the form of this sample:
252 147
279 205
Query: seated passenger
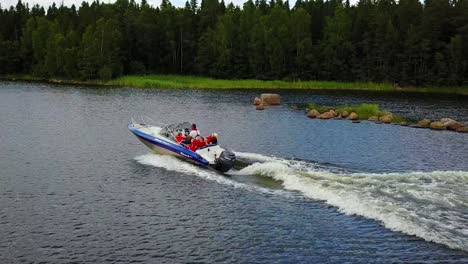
195 132
212 139
188 138
199 142
179 138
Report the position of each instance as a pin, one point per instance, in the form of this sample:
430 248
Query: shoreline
197 82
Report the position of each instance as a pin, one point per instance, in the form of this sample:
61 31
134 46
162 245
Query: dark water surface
77 186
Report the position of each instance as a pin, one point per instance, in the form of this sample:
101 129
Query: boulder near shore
423 123
353 116
271 99
258 101
371 113
326 115
451 124
437 126
463 129
266 99
387 119
313 113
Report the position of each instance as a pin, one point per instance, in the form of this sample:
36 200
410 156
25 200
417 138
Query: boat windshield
170 131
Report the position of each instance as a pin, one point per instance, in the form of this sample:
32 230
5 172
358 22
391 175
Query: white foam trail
254 157
174 164
433 205
430 205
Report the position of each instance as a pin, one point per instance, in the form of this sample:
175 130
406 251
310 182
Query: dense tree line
408 42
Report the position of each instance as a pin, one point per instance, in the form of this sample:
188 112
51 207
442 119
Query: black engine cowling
225 161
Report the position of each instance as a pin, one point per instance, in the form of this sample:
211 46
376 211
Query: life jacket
196 144
211 140
179 138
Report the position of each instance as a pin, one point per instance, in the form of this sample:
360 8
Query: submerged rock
313 113
463 129
373 118
356 121
260 107
271 99
353 116
437 125
257 101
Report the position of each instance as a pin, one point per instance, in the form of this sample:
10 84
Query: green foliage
320 108
10 57
402 42
137 67
181 81
398 119
364 111
105 73
101 49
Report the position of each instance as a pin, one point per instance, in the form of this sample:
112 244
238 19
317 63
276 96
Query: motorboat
161 139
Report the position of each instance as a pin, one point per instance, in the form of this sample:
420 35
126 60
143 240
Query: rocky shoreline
371 114
388 118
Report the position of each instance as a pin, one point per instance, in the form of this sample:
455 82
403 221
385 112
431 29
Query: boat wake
429 205
174 164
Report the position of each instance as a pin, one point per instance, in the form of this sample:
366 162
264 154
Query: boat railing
144 121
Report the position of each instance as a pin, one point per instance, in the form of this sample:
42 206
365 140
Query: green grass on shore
179 81
195 82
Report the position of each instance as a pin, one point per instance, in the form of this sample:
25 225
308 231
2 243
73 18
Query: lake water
77 186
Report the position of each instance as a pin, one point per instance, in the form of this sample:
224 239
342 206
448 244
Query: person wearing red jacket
212 139
199 142
179 138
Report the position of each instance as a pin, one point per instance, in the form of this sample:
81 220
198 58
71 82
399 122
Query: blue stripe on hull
176 149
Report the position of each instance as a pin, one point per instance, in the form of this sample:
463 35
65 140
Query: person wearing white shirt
195 132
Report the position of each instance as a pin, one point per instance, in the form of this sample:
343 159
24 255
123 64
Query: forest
408 42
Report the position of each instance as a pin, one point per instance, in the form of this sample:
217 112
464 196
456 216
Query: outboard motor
225 161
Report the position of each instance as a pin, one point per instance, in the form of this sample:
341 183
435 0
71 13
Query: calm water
77 186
